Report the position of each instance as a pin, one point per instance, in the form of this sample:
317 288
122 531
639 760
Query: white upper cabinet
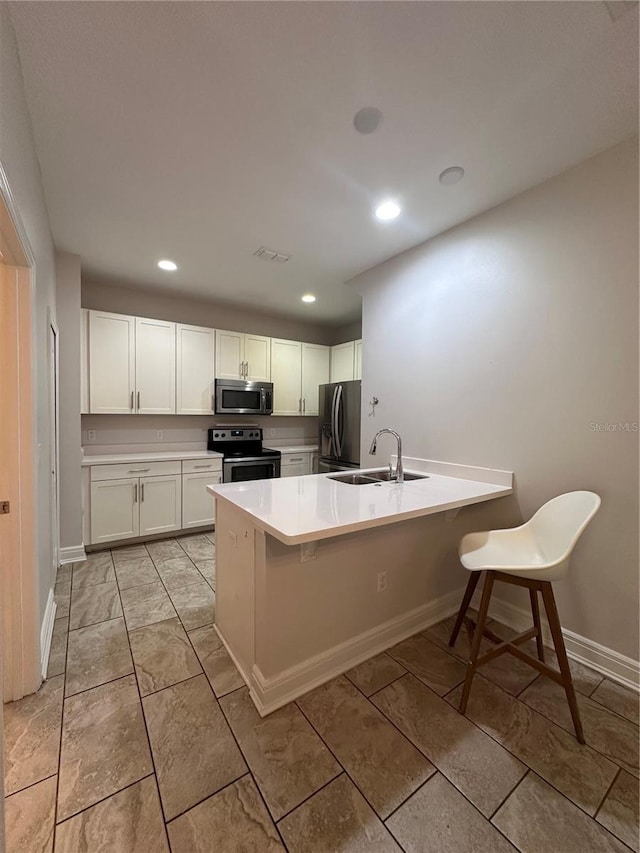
286 375
315 372
195 348
84 361
155 367
111 363
357 363
342 362
240 356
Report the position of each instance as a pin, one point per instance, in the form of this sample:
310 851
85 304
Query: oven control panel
235 434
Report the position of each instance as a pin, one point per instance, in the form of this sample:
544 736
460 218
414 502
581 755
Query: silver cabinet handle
141 492
299 404
135 493
204 466
138 399
296 459
304 405
139 470
131 406
246 369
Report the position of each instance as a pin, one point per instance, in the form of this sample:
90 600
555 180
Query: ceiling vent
618 8
270 255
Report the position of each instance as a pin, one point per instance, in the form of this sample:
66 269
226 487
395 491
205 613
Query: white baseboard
72 554
608 662
271 693
46 632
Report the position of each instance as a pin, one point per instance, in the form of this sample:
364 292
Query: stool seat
530 556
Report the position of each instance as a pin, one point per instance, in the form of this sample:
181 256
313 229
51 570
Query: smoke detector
271 255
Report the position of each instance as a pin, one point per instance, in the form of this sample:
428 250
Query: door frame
54 413
20 628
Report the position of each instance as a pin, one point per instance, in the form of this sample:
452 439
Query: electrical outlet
91 435
159 434
308 551
382 581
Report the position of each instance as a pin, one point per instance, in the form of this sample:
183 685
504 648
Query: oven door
256 468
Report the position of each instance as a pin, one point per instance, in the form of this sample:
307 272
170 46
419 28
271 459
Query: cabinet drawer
121 471
201 466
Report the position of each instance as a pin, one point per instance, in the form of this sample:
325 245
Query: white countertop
304 509
157 456
293 448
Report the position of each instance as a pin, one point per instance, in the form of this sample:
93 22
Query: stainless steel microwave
241 397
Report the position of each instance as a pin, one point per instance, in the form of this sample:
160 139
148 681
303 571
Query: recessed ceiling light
168 265
387 210
308 297
367 120
451 175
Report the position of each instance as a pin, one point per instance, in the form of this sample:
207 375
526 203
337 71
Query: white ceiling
201 131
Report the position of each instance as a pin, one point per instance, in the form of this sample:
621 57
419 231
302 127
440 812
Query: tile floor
144 739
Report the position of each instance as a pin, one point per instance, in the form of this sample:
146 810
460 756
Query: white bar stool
531 556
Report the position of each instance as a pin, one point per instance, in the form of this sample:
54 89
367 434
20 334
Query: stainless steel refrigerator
339 441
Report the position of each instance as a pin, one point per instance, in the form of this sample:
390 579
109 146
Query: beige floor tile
430 663
211 536
104 745
136 572
286 756
577 771
97 568
127 822
198 547
364 741
207 569
32 736
62 588
537 819
617 698
216 662
30 818
177 572
234 820
129 552
162 655
606 732
97 654
438 819
619 812
337 818
193 749
58 651
164 549
63 603
63 574
472 761
92 604
195 605
375 673
144 605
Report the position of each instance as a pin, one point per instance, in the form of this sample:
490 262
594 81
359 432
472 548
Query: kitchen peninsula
315 575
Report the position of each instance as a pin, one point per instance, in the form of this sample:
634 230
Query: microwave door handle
263 401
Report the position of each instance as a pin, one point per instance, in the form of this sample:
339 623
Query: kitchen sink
372 477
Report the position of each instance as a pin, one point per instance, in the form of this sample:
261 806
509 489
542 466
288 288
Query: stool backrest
558 524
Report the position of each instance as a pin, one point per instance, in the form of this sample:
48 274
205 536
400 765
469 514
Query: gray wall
18 158
70 478
145 303
504 341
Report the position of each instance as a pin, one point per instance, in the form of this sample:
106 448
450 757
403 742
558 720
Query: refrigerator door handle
333 446
338 437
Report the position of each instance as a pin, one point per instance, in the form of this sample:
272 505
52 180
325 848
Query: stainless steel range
244 457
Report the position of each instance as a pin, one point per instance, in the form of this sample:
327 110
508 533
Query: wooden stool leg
561 652
472 583
535 612
477 639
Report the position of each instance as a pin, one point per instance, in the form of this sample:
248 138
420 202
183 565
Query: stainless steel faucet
398 474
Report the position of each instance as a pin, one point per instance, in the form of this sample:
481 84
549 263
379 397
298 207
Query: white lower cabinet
114 510
198 506
295 464
160 503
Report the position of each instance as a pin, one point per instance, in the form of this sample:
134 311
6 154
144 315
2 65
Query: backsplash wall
187 431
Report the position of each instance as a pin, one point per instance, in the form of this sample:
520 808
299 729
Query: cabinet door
111 363
257 356
114 510
342 357
315 372
286 375
229 355
198 506
295 464
195 348
160 504
155 367
357 360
